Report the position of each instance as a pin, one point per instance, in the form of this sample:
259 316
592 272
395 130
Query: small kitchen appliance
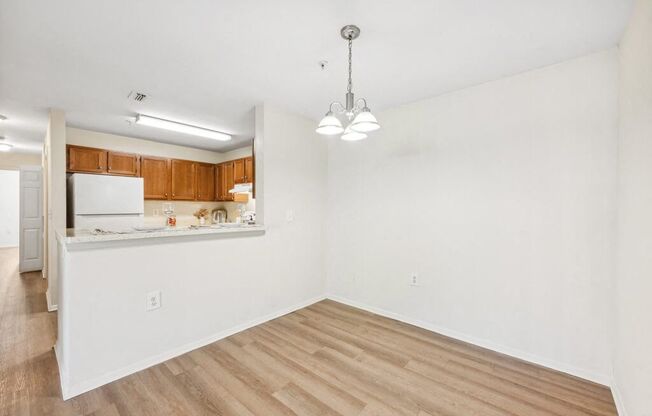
219 216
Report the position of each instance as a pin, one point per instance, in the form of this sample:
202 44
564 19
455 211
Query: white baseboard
75 390
618 399
544 362
51 306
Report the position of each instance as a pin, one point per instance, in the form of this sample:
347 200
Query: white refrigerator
112 203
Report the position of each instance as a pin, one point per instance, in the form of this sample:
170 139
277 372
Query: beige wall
12 160
238 153
145 147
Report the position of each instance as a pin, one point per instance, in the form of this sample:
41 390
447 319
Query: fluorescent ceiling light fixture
181 127
5 147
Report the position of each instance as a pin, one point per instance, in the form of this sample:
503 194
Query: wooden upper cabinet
239 171
225 181
205 182
243 170
123 163
86 159
155 172
249 169
183 179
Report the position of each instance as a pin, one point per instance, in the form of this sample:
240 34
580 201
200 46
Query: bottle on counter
168 210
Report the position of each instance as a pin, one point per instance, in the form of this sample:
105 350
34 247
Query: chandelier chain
350 85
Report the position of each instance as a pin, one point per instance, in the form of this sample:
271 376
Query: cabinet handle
109 167
166 194
172 194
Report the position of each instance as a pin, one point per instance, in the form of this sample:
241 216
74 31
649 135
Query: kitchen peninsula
172 287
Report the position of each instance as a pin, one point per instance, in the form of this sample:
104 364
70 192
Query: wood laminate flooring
326 359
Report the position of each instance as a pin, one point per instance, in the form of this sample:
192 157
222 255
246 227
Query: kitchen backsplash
184 210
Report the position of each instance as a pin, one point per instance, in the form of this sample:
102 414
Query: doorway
31 218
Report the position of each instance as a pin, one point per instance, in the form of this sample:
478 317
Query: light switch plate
153 300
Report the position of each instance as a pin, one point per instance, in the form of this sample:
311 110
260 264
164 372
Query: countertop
82 236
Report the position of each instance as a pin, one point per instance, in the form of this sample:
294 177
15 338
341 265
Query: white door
31 218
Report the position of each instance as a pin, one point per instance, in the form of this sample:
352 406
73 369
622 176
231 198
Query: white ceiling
208 62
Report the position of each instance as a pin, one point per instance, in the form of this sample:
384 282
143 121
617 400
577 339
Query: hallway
28 368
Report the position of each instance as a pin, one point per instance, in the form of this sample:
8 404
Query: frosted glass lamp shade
352 135
329 125
365 122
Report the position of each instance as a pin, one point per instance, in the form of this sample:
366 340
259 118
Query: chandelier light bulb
329 125
352 135
365 122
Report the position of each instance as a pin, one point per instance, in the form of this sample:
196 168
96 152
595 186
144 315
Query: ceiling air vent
137 96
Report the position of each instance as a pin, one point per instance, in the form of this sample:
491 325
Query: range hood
241 188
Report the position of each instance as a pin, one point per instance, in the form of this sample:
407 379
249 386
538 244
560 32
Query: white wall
633 340
208 285
501 197
9 204
55 181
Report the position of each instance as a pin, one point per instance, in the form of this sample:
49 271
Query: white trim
63 376
532 358
72 391
51 307
618 399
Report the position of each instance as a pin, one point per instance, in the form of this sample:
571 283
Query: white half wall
633 338
501 197
9 208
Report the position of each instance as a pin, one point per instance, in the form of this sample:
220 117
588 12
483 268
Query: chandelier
358 115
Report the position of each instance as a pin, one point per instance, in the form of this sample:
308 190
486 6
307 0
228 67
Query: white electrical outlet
153 300
414 279
289 215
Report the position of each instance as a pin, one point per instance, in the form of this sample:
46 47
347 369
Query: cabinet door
239 171
183 179
205 182
219 169
156 177
249 170
122 164
86 159
228 180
